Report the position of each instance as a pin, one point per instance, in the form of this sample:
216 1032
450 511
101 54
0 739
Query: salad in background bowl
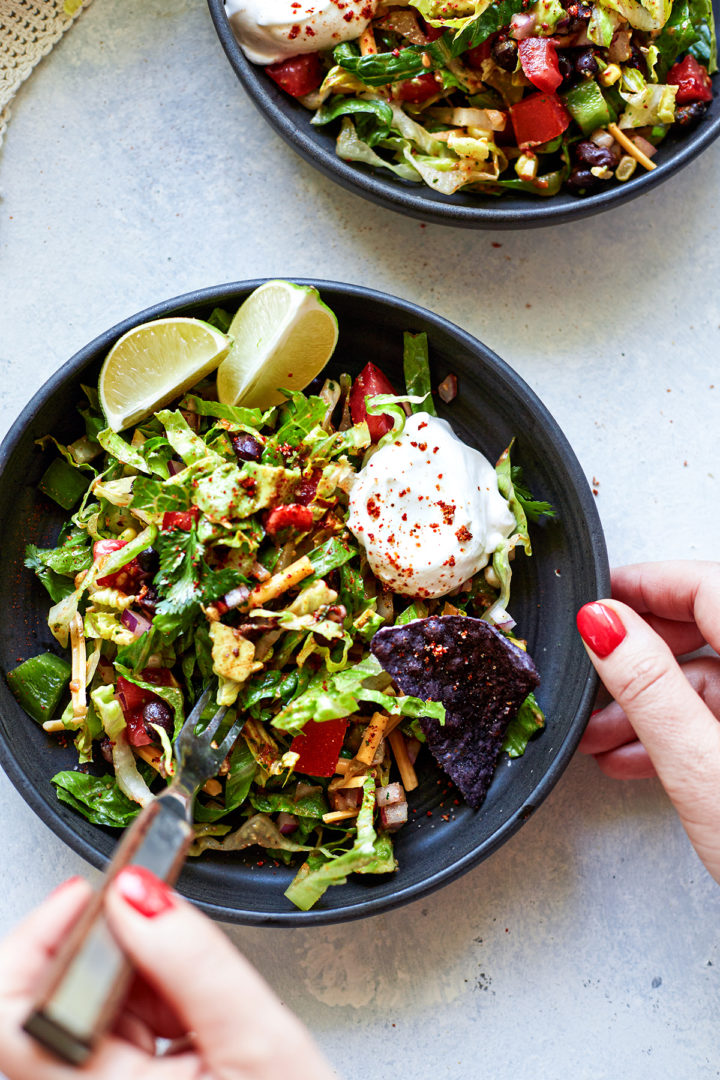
504 113
400 619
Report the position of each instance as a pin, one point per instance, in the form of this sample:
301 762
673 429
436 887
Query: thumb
237 1022
679 732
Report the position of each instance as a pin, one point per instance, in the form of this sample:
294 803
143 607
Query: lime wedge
154 363
283 336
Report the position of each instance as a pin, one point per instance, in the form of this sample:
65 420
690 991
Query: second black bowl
291 120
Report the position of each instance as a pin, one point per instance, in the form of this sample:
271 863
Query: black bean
586 64
566 66
687 116
636 59
504 52
148 599
587 153
149 561
582 182
106 749
577 19
246 447
160 713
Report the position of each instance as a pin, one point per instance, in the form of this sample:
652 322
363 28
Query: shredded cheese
345 782
367 42
340 815
404 764
152 756
372 738
629 146
53 725
78 674
279 583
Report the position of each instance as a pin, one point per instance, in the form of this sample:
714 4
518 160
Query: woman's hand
191 985
664 716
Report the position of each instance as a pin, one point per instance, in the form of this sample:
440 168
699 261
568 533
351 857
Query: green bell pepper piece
588 107
63 483
39 683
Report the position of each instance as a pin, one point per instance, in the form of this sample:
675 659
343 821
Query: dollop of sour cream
270 31
427 510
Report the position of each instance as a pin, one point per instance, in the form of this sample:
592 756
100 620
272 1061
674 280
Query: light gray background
134 169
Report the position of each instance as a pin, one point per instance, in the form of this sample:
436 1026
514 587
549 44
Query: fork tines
203 741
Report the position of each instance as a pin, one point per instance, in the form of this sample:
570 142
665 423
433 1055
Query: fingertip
601 628
629 762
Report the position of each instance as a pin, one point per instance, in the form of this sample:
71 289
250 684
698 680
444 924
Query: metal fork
91 974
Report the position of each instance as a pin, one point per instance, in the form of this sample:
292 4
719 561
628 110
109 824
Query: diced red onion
448 389
602 138
236 597
506 624
390 795
286 823
522 26
191 418
346 798
393 817
106 671
136 624
644 146
413 749
175 467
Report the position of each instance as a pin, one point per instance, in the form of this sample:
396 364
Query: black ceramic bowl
317 145
569 567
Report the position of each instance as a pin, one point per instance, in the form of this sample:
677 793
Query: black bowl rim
210 296
417 203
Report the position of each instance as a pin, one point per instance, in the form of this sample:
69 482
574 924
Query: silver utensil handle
91 975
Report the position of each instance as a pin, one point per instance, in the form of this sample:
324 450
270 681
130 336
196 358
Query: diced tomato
291 516
319 746
432 33
160 676
368 383
474 57
134 698
299 75
419 89
135 729
127 578
180 519
538 118
692 81
101 548
539 60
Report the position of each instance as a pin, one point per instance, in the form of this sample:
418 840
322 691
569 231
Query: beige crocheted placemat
28 31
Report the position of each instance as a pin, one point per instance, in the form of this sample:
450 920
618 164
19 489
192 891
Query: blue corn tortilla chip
479 676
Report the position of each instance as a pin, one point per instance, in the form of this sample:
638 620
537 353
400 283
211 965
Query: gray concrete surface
134 169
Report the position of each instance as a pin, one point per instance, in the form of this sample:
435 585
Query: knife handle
91 974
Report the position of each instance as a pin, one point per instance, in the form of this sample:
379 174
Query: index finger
682 591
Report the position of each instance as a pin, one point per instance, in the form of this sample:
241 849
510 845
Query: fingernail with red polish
145 892
600 628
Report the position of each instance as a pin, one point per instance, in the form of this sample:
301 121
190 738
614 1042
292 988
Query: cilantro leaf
534 508
185 580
